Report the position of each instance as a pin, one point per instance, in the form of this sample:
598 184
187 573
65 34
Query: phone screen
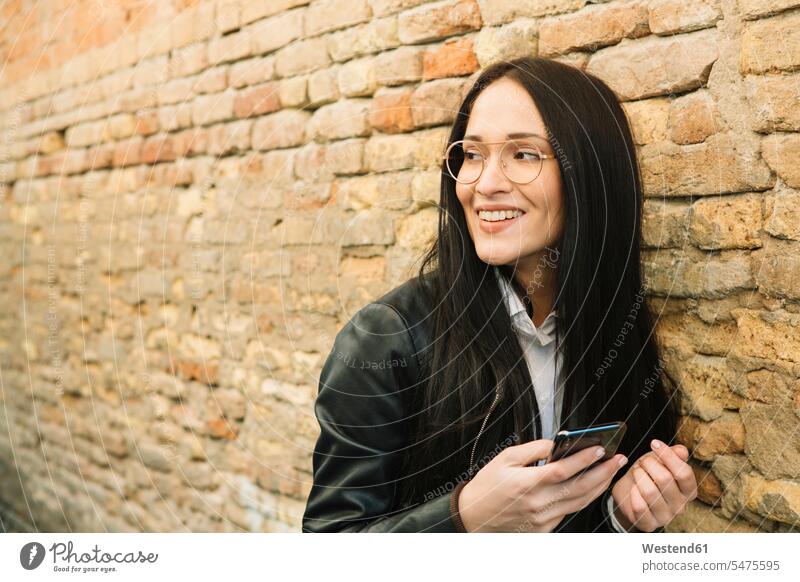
608 435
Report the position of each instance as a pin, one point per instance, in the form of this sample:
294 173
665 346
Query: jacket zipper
483 426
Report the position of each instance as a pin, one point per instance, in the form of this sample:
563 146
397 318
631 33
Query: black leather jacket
362 410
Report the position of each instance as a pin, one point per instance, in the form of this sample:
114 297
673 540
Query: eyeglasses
520 161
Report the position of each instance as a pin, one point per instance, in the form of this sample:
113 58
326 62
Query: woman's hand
655 489
509 496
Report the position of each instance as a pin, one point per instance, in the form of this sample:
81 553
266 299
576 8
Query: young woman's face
504 108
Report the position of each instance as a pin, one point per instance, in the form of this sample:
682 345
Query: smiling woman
531 281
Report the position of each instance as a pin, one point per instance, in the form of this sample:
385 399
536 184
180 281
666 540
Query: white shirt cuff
614 523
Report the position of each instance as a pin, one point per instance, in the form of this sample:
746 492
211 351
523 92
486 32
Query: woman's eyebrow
509 136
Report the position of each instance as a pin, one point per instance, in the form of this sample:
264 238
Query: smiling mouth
499 215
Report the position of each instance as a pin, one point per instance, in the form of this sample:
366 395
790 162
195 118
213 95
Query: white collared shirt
539 348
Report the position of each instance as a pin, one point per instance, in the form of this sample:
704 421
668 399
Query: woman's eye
468 154
533 156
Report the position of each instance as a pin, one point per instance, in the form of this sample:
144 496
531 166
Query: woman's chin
494 254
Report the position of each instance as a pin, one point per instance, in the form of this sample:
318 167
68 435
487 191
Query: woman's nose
492 178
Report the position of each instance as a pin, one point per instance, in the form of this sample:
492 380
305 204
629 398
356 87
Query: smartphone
569 442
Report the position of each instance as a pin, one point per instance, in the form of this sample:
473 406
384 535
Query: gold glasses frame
447 153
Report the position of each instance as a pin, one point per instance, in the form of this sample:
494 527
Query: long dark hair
605 329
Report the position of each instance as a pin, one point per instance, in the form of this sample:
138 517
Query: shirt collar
520 319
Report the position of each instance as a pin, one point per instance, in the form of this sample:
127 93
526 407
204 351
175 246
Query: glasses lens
464 161
522 161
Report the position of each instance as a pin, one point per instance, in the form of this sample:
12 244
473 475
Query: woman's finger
644 519
665 481
681 470
652 495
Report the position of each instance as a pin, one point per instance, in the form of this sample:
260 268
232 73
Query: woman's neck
538 281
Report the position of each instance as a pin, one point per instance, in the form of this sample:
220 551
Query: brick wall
196 195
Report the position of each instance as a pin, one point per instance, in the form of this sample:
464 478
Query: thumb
528 453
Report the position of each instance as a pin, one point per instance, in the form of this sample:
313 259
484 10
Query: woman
439 401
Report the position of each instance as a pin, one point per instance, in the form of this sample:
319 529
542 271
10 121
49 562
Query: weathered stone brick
231 47
722 163
664 223
593 27
727 222
782 153
361 268
507 42
777 269
85 134
326 15
770 440
372 37
436 102
229 138
345 157
760 53
323 86
302 57
293 92
431 144
386 153
310 164
384 7
151 71
192 25
672 16
750 9
723 436
657 66
209 109
255 9
276 32
228 15
251 72
283 129
782 216
778 500
396 67
773 101
503 11
357 78
188 60
425 188
692 118
418 230
50 142
438 20
346 118
699 517
772 336
649 119
678 274
212 80
768 387
388 191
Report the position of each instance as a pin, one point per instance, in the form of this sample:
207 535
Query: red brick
390 111
456 57
257 101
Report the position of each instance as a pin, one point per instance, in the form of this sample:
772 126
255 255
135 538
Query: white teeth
495 215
